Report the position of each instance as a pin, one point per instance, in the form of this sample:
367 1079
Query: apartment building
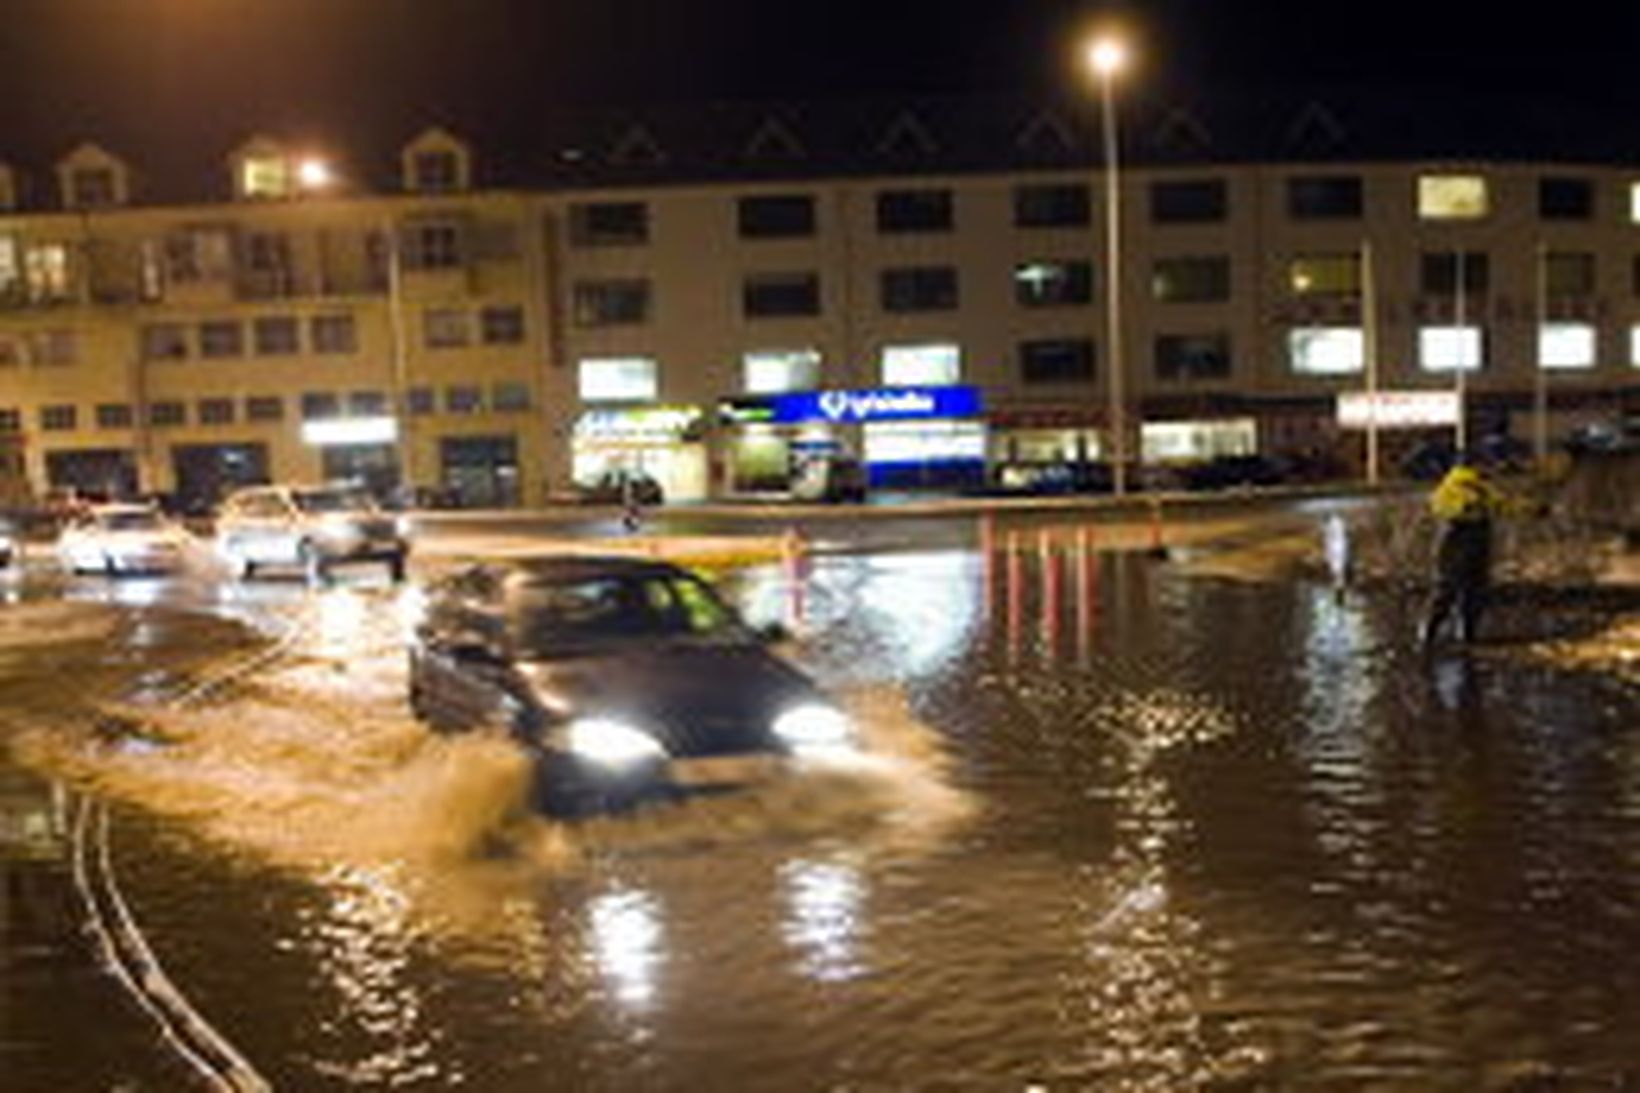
300 330
498 345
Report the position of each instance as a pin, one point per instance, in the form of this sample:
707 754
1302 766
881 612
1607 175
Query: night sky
159 75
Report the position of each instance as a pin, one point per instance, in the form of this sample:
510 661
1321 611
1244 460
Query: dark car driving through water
625 678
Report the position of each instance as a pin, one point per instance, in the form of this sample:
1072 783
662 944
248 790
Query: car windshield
333 501
554 617
129 521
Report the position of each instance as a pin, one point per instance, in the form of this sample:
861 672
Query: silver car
122 538
309 528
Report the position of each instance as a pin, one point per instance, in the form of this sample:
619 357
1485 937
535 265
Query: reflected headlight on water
815 728
612 743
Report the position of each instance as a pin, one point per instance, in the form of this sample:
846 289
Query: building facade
493 347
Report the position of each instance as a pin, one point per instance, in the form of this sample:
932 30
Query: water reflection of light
627 942
365 946
823 918
341 617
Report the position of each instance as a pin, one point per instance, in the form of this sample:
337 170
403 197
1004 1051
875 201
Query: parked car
618 486
1231 470
625 678
10 542
122 538
311 528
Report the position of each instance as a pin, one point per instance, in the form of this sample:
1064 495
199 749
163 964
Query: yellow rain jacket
1464 495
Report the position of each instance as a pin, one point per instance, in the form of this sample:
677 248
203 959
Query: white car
10 549
310 528
122 538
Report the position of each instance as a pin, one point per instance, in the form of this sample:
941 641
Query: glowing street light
1107 56
313 173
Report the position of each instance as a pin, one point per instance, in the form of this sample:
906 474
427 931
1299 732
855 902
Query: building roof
787 140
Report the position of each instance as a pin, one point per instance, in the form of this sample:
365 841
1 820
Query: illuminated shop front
907 437
667 443
1197 441
1025 440
364 450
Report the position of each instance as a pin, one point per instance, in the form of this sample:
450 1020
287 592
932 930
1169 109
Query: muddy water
1121 828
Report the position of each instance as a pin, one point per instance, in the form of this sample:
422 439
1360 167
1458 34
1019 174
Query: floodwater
1121 827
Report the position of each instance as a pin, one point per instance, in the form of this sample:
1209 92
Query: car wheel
244 568
396 567
109 568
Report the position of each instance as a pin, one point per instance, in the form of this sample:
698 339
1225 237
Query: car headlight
815 727
610 742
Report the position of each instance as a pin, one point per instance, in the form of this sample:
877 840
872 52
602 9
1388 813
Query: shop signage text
878 404
1397 409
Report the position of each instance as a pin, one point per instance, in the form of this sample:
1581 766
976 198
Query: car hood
699 699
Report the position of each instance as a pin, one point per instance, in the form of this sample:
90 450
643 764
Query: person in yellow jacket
1465 504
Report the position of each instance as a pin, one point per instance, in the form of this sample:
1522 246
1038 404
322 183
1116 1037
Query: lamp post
1107 56
315 176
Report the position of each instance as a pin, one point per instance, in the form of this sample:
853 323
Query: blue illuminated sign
877 404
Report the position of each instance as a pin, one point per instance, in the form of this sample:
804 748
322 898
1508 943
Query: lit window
1325 275
265 176
1448 348
1452 197
772 371
922 365
46 267
1566 345
1326 350
604 379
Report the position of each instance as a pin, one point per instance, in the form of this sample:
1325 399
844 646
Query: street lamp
1107 56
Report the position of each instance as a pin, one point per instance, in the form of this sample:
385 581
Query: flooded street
1118 826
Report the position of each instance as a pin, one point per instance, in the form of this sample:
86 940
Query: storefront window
1164 441
1448 348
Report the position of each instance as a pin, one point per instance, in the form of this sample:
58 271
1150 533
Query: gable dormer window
264 176
92 188
436 171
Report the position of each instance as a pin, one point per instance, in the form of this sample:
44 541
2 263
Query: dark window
464 399
1325 197
264 408
435 172
58 418
1049 284
1189 202
115 415
914 211
366 404
611 303
216 411
1051 205
11 420
1191 280
420 401
222 338
510 397
773 295
333 334
164 342
1056 360
1193 356
163 414
433 245
501 325
93 187
276 335
776 216
1569 273
1565 199
919 288
609 223
1439 273
318 405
